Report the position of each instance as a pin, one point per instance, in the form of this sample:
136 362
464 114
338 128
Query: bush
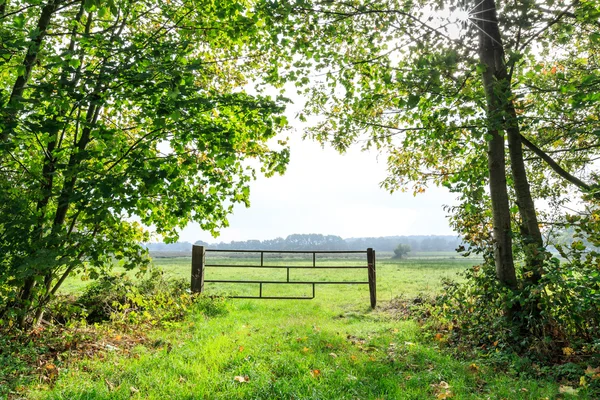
552 323
155 299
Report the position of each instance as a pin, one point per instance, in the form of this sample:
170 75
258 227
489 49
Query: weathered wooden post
372 276
197 269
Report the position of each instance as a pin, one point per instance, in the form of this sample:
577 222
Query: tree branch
554 165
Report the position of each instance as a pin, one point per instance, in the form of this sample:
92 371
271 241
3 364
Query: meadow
332 347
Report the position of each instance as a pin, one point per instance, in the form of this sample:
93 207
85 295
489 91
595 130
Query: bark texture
491 56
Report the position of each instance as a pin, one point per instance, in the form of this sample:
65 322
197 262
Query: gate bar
290 267
289 251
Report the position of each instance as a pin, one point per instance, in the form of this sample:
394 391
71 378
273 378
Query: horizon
323 234
324 191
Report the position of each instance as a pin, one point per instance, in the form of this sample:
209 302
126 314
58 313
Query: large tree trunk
502 115
491 56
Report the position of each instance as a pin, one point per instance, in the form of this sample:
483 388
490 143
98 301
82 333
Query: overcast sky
328 193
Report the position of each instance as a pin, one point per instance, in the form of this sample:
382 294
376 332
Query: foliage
473 314
497 102
117 114
401 250
154 299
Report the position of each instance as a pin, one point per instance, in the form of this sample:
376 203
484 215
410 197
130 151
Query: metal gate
199 266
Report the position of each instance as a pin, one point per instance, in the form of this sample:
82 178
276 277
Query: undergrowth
550 329
113 314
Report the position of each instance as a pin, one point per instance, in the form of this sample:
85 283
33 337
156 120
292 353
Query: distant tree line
315 241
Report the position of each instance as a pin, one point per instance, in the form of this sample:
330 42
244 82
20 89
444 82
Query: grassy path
288 350
332 347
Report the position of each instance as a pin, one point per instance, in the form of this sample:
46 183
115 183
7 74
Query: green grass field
332 347
410 277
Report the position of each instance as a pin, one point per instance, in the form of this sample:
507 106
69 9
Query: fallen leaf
134 390
110 385
353 358
473 367
306 349
315 373
333 355
241 379
241 348
567 389
442 390
592 371
51 371
567 351
50 367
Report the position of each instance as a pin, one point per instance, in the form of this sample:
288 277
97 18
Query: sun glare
459 16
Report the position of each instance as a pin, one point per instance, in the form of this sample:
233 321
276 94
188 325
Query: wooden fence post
197 269
372 276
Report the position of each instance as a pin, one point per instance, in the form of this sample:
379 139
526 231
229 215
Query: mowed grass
332 347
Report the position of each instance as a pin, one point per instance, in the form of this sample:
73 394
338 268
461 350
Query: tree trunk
502 112
9 111
491 56
533 243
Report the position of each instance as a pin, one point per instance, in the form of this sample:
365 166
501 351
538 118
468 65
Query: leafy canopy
121 113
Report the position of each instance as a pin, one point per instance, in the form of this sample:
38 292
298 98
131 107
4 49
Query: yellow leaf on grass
567 389
241 348
567 351
306 349
241 379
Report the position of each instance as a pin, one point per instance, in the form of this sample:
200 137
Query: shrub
155 299
556 320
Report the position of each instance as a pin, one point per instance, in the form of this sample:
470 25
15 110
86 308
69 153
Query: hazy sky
328 193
